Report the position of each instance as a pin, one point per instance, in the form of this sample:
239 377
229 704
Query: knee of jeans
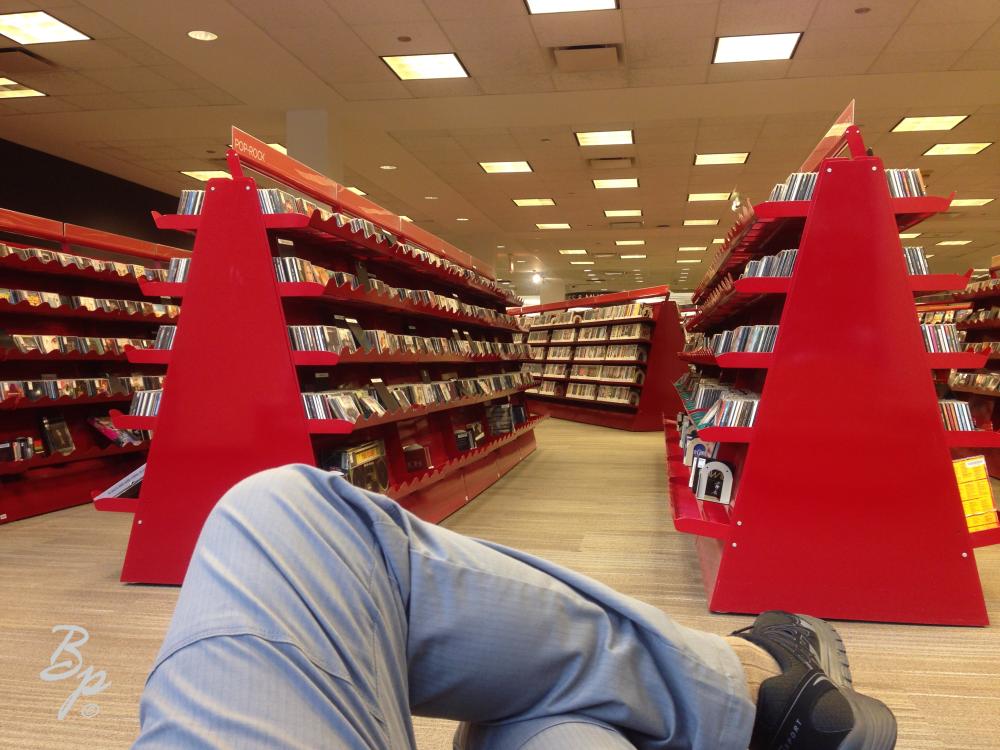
258 498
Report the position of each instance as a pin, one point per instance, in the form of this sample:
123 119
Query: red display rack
662 365
231 405
845 503
51 482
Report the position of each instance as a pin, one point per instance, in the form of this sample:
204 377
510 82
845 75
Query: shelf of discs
812 440
606 360
318 328
70 305
979 327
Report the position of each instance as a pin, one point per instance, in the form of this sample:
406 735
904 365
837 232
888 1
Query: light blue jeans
317 615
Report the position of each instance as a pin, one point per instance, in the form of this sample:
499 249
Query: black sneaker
811 705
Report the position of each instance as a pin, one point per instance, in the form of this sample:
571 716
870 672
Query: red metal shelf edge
19 467
585 401
161 288
971 439
591 342
939 282
974 296
131 422
18 403
956 360
591 323
726 434
117 504
14 355
732 360
985 538
690 515
330 359
432 476
44 310
601 300
54 267
976 391
147 356
637 386
342 427
985 325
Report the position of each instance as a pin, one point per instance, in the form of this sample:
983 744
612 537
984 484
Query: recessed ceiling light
37 27
279 148
956 149
572 252
537 7
581 262
520 260
404 217
971 201
955 242
536 278
204 175
525 202
605 138
718 241
700 222
461 218
430 197
695 197
203 36
553 226
909 235
755 47
689 260
504 167
422 67
921 124
691 249
623 212
630 242
387 167
622 182
13 90
501 247
639 256
928 255
357 191
736 157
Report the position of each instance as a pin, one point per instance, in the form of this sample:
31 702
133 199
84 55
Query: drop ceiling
143 101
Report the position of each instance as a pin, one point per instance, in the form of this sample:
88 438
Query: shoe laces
791 637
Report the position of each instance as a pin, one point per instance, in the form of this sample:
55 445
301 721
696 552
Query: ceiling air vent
586 57
612 162
14 60
625 225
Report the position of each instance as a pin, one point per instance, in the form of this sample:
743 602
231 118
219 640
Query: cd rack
397 288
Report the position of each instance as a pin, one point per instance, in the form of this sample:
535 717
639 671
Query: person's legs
317 615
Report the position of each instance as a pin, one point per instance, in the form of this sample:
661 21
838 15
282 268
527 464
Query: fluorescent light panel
923 124
955 242
697 197
621 213
13 90
689 260
621 182
638 256
423 67
538 7
605 138
718 241
404 217
956 149
504 167
525 202
700 222
553 226
736 157
581 262
971 201
691 249
573 252
204 175
37 28
279 148
909 235
630 242
357 191
755 47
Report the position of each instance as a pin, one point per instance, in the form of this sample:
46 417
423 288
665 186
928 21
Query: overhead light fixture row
620 243
971 201
13 90
573 252
605 138
622 213
956 149
357 191
924 124
700 222
755 47
613 184
909 235
204 175
691 249
737 157
538 7
527 202
638 256
955 242
581 262
38 27
504 167
697 197
553 226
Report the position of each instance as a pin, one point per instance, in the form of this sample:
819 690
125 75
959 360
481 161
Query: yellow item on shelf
976 493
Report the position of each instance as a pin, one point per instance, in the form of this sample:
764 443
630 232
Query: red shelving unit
222 434
662 365
845 503
51 482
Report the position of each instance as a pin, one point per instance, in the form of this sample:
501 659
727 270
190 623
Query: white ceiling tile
215 96
174 98
485 52
90 23
990 40
335 55
670 36
426 38
42 105
516 84
131 79
57 84
674 76
978 60
934 37
738 17
936 11
371 91
103 102
842 15
85 55
288 13
914 62
365 11
139 52
183 78
450 10
569 29
748 71
443 87
831 43
598 79
820 67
